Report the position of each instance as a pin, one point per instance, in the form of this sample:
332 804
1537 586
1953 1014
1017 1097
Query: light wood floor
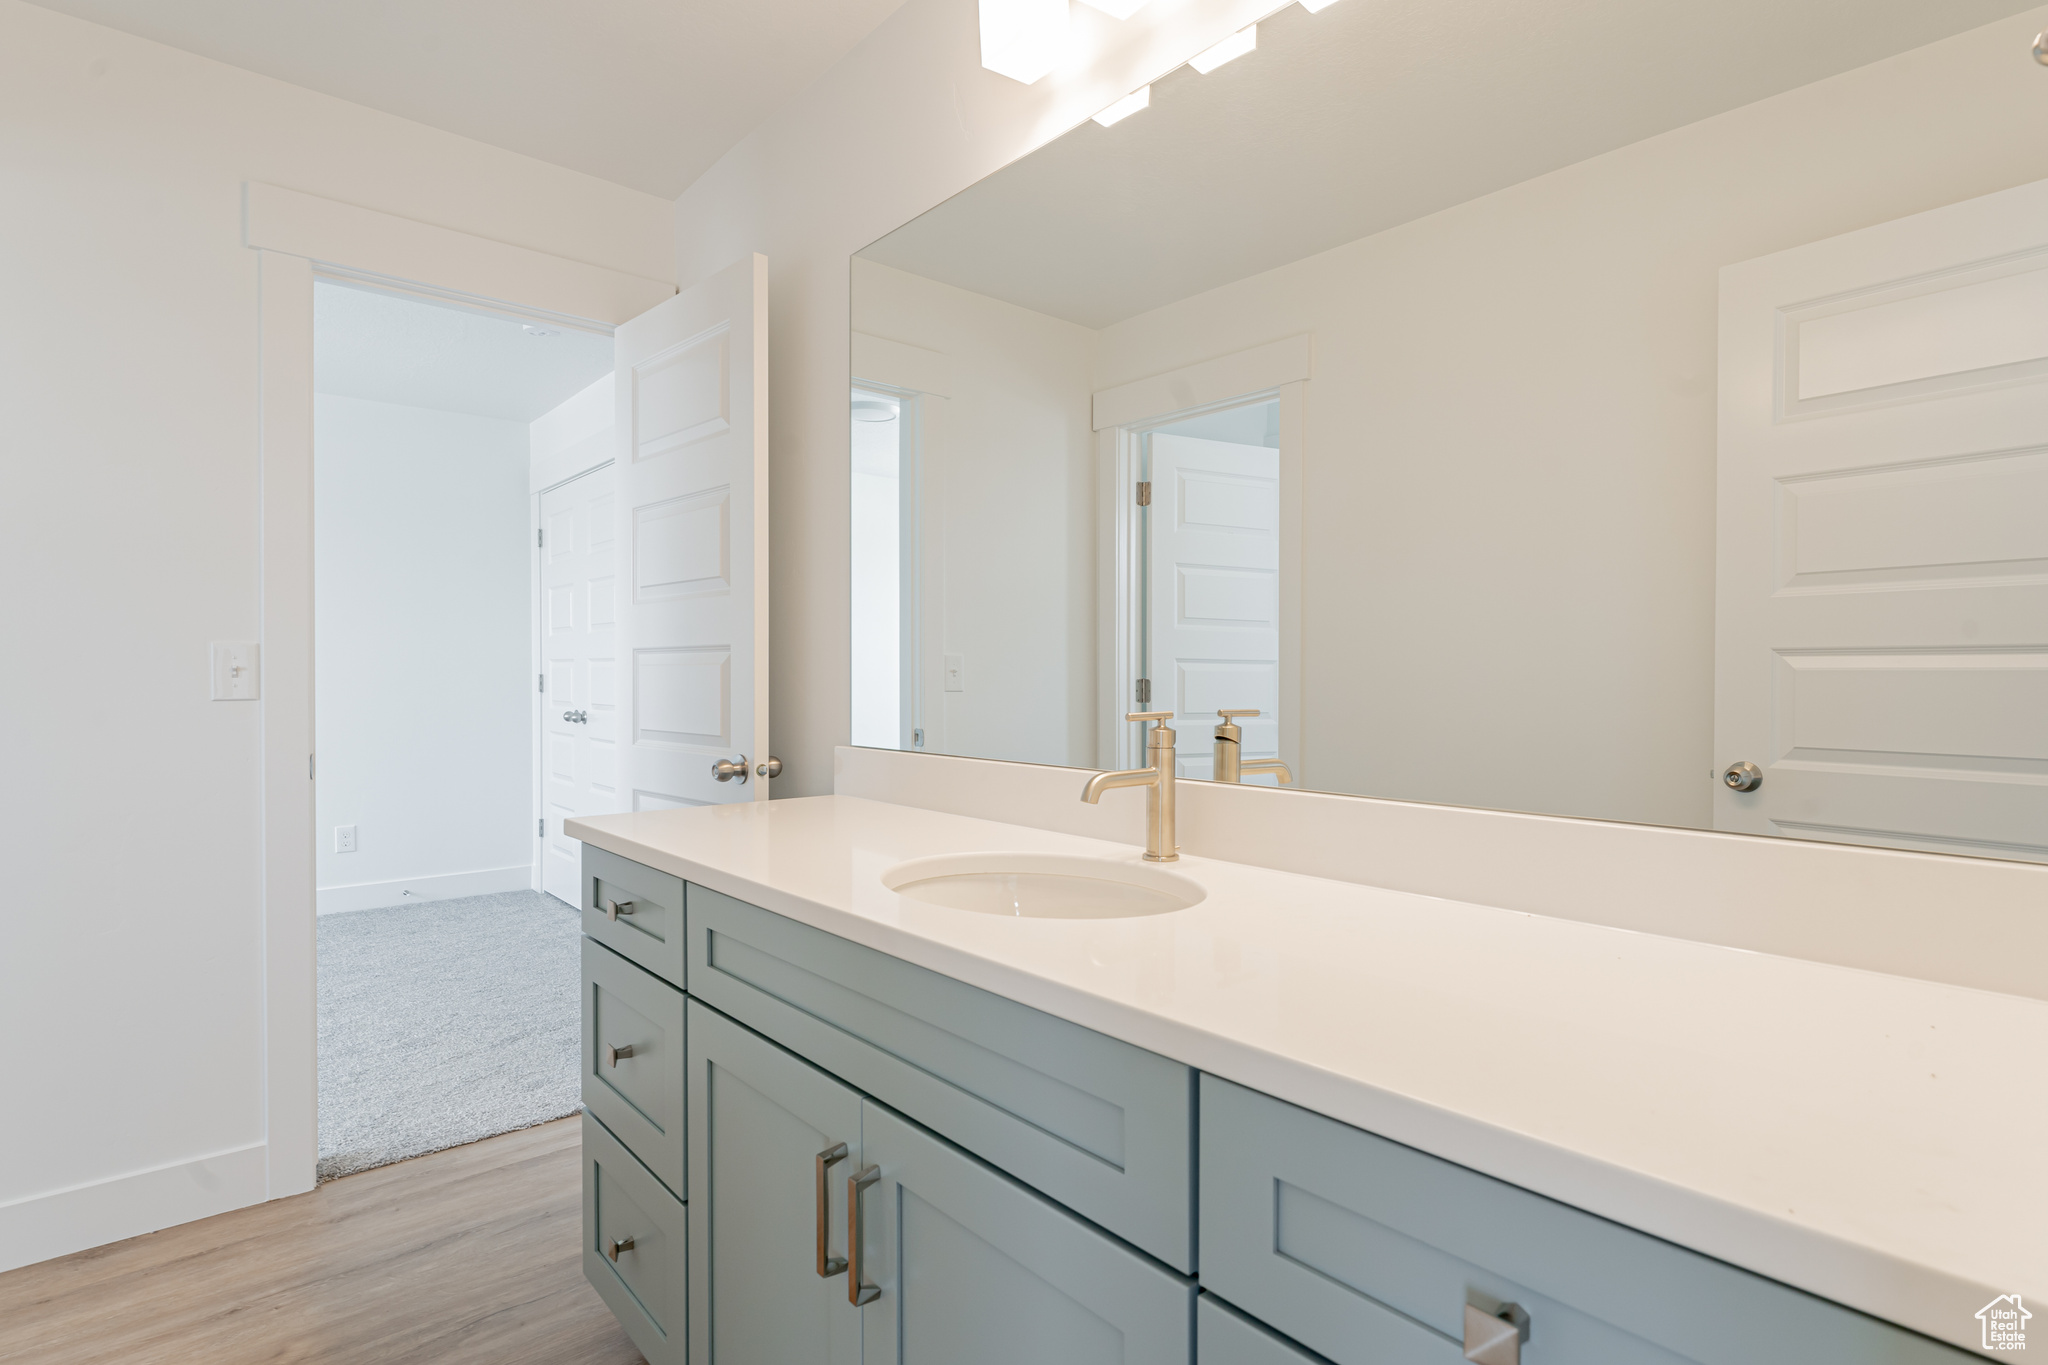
466 1255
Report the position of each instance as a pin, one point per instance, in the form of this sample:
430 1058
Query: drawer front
633 1060
1224 1336
646 1284
1369 1252
1101 1126
634 911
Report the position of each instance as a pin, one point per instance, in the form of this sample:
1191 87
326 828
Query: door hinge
542 832
541 683
1144 691
1144 492
917 739
309 767
540 539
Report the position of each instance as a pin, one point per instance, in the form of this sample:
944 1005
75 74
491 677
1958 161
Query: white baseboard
446 886
41 1226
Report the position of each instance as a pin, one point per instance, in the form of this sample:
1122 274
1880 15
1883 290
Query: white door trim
297 236
363 244
1208 384
1117 540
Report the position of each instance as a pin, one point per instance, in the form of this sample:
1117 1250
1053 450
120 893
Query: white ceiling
646 93
397 349
1371 114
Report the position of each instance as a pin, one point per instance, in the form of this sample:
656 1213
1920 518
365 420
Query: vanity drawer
633 1059
1369 1252
645 1284
648 924
1099 1125
1224 1336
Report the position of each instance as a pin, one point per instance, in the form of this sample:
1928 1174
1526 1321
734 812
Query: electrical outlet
956 670
344 838
234 671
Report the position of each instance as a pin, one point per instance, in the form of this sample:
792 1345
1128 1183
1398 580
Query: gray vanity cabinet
760 1221
971 1266
1224 1336
632 1059
1372 1253
960 1263
635 1246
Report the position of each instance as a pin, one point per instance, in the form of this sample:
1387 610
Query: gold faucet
1157 780
1231 765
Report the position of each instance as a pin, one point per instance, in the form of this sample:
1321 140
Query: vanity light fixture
1130 104
1022 39
1236 45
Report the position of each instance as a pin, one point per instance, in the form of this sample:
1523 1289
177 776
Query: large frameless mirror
1633 411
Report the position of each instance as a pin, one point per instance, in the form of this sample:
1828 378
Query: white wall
128 373
422 652
1508 572
804 189
1007 465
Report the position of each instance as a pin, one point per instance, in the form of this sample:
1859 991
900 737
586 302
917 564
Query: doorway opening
883 570
448 978
1203 591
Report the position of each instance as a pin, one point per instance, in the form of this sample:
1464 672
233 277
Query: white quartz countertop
1877 1140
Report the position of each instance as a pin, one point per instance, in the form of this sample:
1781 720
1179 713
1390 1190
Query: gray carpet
443 1022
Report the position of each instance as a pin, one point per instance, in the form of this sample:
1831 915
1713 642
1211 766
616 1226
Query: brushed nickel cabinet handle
856 1292
614 909
614 1055
1495 1338
828 1266
615 1246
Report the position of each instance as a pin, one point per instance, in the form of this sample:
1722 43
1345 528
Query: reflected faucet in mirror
1231 765
1157 780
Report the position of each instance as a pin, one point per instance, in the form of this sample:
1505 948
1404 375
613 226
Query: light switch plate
344 838
234 670
956 670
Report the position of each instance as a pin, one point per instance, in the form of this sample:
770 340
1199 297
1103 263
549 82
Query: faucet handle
1233 715
1148 715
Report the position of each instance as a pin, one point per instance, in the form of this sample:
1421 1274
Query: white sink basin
1043 886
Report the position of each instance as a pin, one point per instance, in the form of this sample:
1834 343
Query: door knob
772 768
1743 777
730 769
576 717
1495 1338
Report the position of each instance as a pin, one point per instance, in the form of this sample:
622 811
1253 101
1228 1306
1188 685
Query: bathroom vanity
830 1116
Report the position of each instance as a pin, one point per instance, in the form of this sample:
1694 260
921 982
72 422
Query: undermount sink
1043 886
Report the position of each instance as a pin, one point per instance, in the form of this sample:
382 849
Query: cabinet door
971 1266
759 1117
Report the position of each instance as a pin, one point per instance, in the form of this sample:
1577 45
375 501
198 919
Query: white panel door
1214 610
1881 642
579 731
693 529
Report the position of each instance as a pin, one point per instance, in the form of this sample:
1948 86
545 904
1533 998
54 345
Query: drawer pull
856 1292
1495 1339
828 1266
613 1056
615 1246
613 909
